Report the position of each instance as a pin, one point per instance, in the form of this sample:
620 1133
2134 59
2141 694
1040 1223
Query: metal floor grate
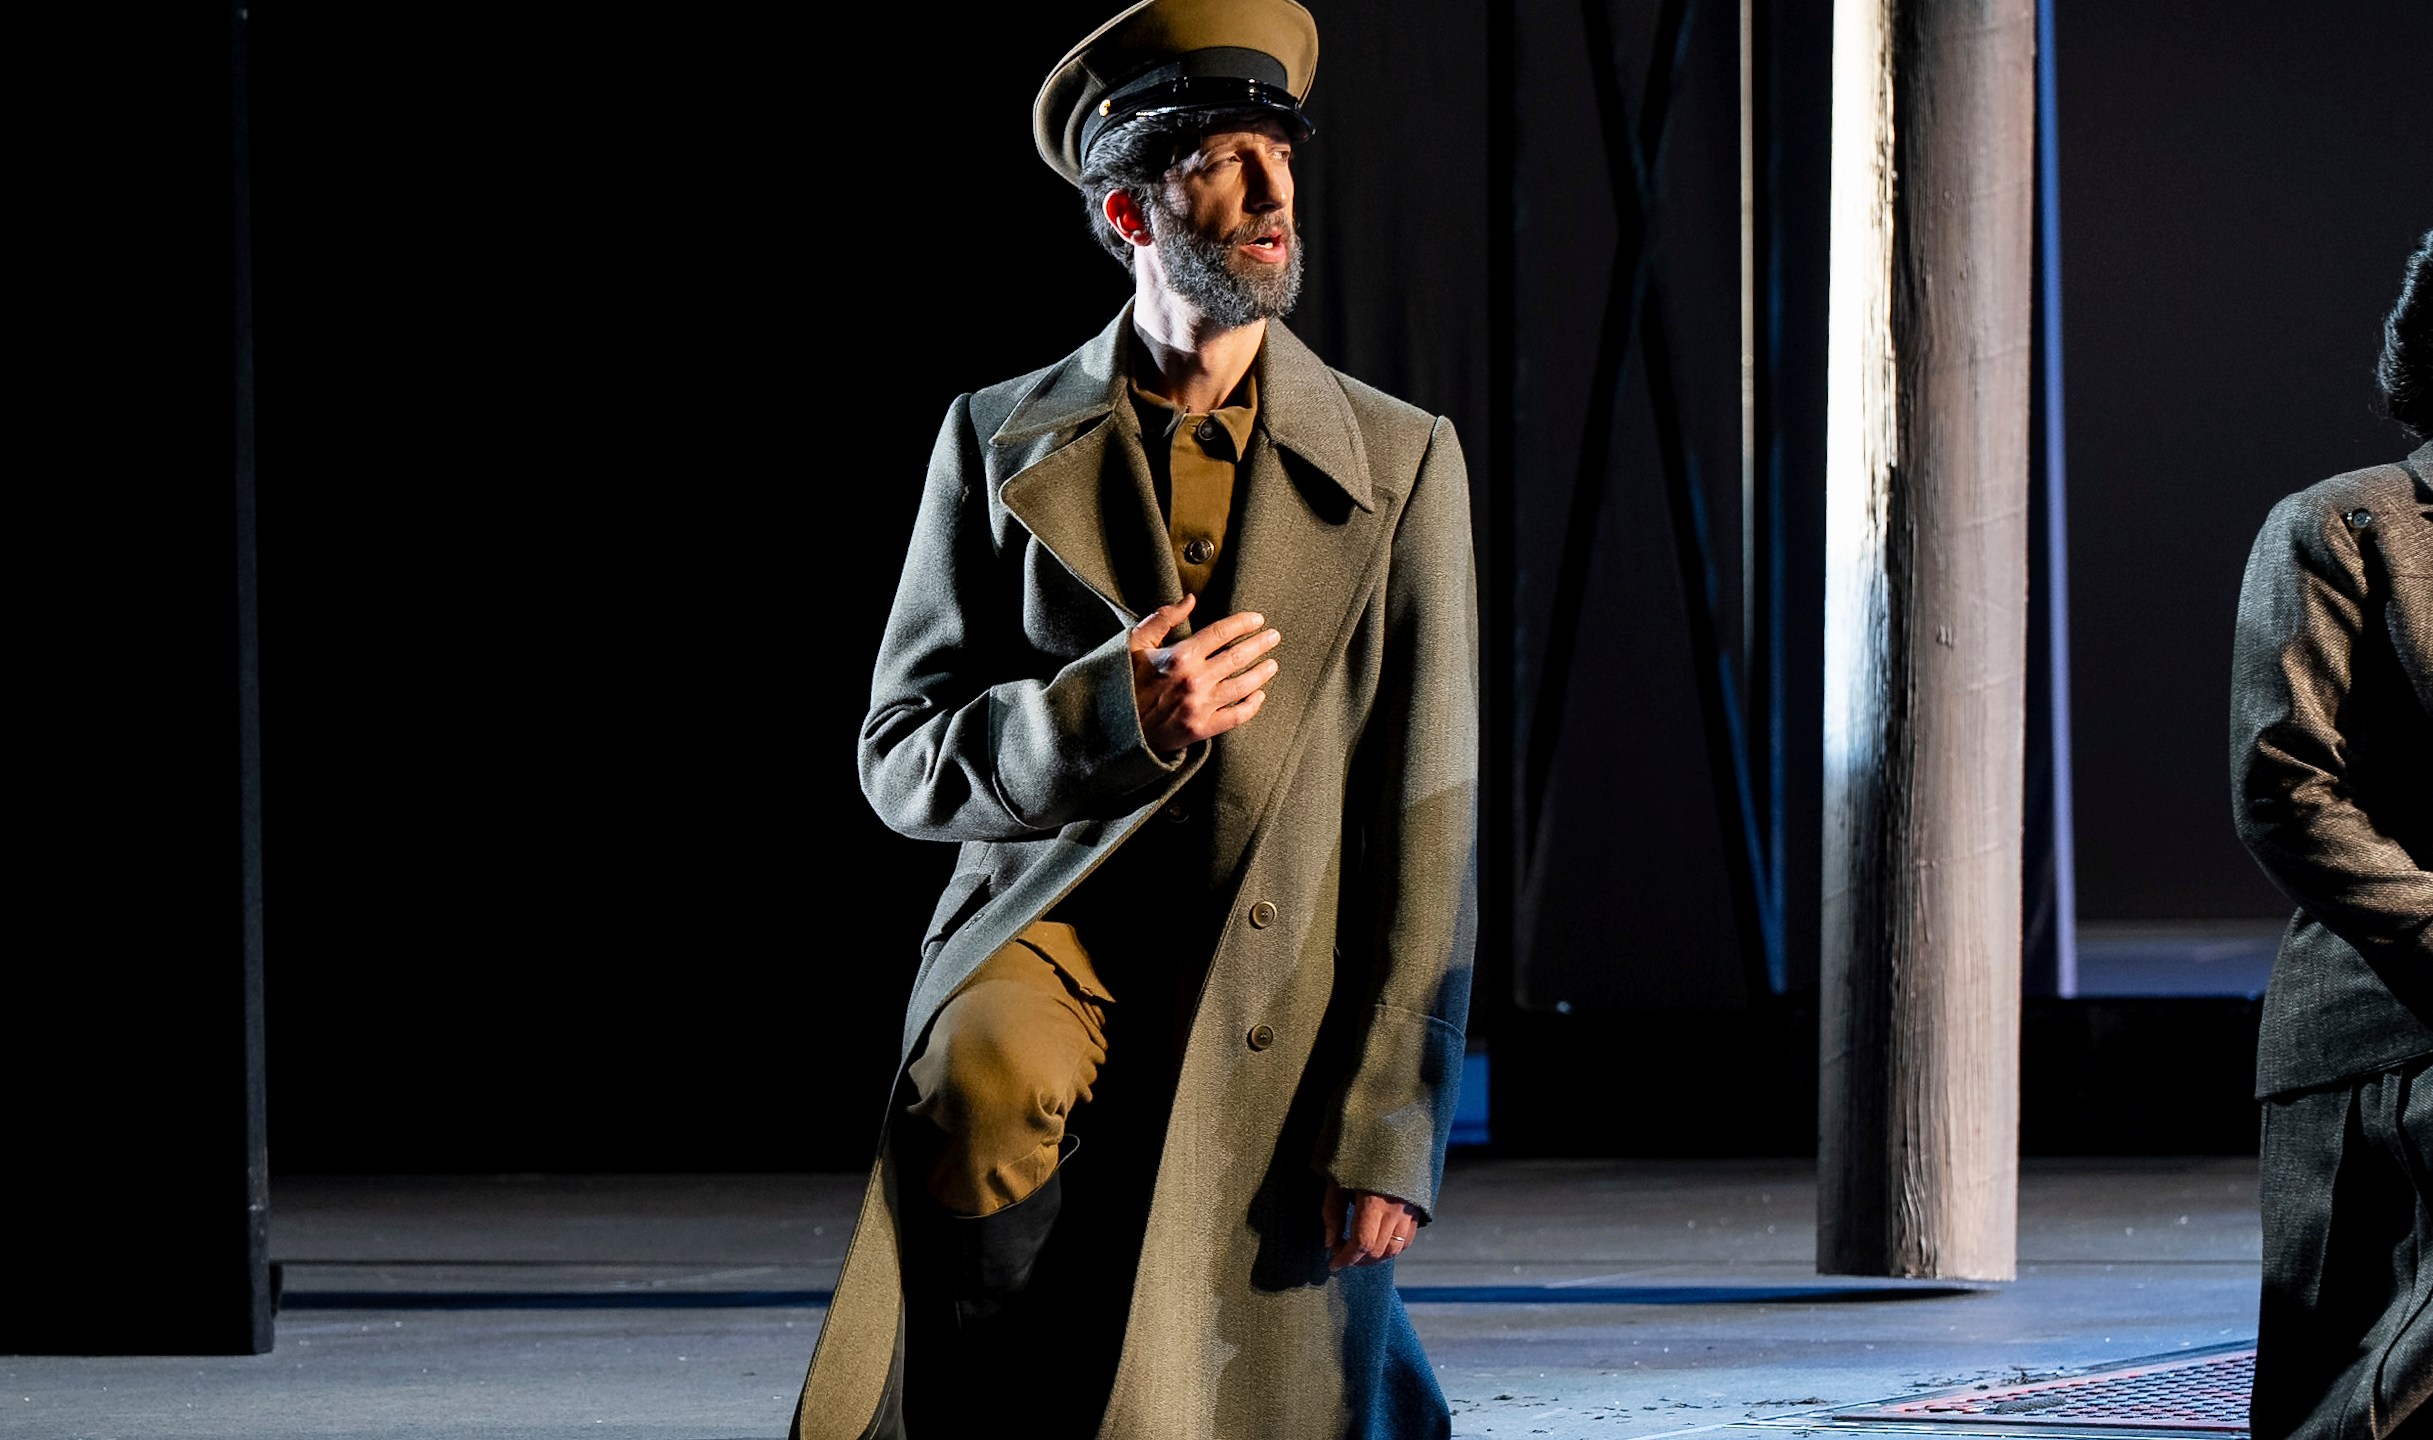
2203 1395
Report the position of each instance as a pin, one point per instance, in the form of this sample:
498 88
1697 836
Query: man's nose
1271 186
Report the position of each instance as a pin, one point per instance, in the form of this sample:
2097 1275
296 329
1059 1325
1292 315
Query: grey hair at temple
1136 158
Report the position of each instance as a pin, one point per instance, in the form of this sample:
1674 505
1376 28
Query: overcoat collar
1302 408
1301 404
2408 549
1081 483
1083 386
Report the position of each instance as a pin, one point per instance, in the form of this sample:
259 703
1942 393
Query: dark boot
966 1330
989 1260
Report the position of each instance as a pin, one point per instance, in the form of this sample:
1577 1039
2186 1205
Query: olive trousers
2344 1340
1006 1060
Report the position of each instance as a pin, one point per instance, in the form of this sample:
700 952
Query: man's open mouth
1268 244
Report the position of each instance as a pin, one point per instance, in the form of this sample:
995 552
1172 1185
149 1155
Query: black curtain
600 359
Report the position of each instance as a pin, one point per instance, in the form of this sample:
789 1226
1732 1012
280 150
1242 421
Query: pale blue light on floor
2179 957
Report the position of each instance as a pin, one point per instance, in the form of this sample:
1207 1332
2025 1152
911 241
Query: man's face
1224 226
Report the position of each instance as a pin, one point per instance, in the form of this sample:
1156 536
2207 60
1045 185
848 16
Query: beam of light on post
1925 636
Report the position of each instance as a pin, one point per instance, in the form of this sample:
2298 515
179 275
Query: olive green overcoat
1002 718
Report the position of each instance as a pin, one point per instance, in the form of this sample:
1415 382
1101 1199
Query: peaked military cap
1163 56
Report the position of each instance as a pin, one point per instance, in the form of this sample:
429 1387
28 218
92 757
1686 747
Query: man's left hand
1363 1227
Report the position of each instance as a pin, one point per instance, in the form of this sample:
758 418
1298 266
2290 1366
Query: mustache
1288 226
1257 226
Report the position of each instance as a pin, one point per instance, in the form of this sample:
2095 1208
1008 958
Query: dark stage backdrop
2238 190
2240 184
600 355
1621 898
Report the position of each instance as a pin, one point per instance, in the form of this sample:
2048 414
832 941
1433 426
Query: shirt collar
1238 417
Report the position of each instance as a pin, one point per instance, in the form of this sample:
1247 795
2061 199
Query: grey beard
1231 291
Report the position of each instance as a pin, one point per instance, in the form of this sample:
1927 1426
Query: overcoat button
1207 432
1198 551
1262 915
2359 518
1176 813
1261 1036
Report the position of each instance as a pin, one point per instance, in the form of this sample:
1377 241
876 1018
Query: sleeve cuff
1099 754
1389 1137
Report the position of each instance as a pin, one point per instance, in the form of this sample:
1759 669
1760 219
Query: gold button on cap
1261 1036
1262 915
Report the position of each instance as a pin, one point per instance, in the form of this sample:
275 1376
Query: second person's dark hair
2406 371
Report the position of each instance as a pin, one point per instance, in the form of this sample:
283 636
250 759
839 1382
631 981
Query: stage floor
1558 1298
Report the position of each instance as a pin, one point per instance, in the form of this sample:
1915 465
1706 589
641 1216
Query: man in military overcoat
1184 657
2332 766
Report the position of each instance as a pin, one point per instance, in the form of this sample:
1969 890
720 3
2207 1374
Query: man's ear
1127 218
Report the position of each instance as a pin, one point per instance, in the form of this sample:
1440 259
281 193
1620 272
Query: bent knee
998 1061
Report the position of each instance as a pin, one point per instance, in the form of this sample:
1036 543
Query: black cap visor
1223 78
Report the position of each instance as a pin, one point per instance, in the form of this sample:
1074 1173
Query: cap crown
1161 33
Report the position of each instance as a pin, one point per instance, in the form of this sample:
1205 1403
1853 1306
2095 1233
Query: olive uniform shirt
1192 460
1133 932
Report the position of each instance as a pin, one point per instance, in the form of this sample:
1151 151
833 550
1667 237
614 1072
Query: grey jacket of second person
1002 717
2331 754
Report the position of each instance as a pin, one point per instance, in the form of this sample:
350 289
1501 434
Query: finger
1206 679
1240 687
1155 626
1244 652
1344 1233
1332 1208
1345 1252
1217 634
1230 716
1365 1242
1377 1216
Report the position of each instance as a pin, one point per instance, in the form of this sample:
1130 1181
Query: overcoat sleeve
2306 614
971 733
1411 918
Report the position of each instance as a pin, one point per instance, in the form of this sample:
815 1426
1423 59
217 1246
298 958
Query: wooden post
1925 636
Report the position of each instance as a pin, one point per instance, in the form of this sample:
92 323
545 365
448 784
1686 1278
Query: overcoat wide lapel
1308 555
1311 522
1075 476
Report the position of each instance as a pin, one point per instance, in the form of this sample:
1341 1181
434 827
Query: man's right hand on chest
1203 686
